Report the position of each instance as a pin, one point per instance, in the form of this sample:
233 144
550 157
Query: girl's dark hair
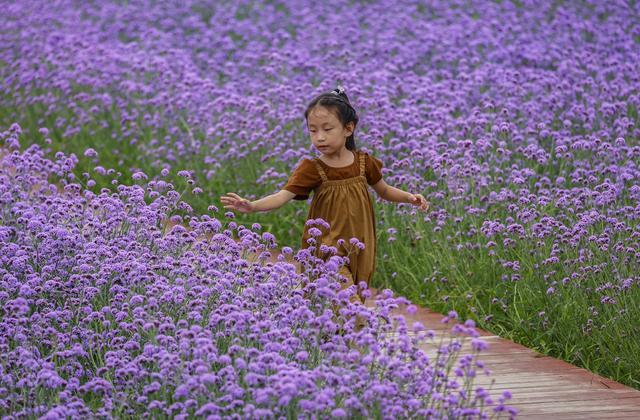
337 99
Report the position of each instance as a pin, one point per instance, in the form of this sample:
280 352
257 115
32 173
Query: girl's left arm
389 193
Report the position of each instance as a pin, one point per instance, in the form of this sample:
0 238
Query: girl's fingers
422 202
234 202
417 199
230 199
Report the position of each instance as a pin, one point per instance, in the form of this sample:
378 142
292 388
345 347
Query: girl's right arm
233 201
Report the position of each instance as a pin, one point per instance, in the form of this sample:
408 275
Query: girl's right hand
233 201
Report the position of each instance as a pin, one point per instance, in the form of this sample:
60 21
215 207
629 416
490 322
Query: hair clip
339 90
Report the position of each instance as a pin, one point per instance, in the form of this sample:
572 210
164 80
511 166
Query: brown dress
345 203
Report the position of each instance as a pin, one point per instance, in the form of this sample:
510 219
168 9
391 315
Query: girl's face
328 135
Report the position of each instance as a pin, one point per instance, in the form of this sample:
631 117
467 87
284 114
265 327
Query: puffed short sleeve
305 178
372 169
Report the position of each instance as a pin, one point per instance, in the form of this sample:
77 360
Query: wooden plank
582 406
530 386
606 414
570 397
548 379
582 393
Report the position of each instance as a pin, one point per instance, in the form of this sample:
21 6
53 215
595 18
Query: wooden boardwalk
542 387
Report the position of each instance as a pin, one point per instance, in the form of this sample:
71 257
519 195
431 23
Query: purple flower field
517 120
105 314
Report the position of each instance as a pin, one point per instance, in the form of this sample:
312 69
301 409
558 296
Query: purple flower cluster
104 313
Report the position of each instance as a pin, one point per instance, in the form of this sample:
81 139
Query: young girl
338 178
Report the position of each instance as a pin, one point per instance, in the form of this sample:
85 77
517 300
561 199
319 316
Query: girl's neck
343 157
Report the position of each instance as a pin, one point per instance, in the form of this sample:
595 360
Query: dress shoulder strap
361 155
323 176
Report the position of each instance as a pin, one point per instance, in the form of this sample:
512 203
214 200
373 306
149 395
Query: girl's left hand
419 200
